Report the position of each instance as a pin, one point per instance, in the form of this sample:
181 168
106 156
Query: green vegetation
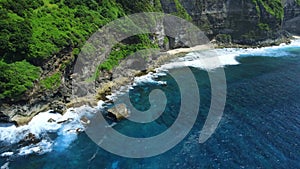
298 2
273 7
121 51
166 40
136 6
34 31
264 26
181 12
39 29
52 82
16 78
224 38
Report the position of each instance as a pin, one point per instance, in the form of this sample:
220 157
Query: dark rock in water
79 130
64 121
29 139
119 112
51 120
84 120
4 118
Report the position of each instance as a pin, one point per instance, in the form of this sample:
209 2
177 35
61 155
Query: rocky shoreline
110 82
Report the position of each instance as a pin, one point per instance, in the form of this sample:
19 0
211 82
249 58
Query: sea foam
65 126
216 58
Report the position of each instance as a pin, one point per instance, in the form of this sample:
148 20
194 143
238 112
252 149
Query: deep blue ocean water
260 127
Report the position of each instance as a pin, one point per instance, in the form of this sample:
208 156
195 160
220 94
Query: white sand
191 49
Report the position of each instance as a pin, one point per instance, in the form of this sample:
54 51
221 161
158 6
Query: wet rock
119 112
65 121
29 139
79 130
58 107
51 120
105 90
85 120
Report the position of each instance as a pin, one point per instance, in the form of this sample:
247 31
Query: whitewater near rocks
67 126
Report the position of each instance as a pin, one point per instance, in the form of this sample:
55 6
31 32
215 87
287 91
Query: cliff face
292 16
239 21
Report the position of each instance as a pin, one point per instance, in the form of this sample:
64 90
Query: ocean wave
207 60
40 148
216 58
149 78
66 127
283 50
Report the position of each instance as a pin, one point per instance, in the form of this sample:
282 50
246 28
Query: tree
15 36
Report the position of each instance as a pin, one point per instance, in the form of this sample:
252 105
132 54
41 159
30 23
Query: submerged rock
119 112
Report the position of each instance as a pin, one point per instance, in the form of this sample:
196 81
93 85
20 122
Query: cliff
292 16
246 22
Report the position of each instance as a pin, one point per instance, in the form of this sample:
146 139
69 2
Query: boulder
85 120
51 120
29 139
119 112
65 121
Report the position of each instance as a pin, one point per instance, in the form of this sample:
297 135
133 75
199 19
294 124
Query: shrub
16 78
52 82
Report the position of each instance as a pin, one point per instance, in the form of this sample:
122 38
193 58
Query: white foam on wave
40 148
207 60
149 78
215 58
7 154
37 126
5 166
66 127
271 51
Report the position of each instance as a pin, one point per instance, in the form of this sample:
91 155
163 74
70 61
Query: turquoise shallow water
260 127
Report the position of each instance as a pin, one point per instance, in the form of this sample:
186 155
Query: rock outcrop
119 112
292 17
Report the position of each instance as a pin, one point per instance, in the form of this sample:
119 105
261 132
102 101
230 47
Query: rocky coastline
229 24
108 83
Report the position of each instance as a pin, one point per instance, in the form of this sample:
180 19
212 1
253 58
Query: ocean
259 128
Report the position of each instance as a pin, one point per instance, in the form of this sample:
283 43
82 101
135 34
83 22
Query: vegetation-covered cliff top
34 32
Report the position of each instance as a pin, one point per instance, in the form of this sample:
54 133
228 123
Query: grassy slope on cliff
33 31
